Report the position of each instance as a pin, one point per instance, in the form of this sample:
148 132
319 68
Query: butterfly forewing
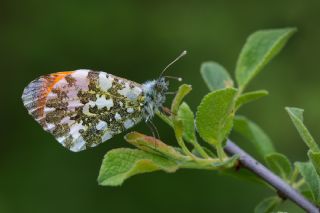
84 108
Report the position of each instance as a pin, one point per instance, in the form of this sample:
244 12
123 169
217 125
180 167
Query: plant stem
221 154
281 186
184 147
195 143
298 184
294 175
199 149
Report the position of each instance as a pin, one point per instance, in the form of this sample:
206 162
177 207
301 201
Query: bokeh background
135 40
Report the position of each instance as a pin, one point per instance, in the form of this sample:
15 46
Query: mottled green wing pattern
84 108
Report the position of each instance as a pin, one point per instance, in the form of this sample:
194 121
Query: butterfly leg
166 111
154 131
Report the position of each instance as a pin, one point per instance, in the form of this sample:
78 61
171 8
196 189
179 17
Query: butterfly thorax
154 96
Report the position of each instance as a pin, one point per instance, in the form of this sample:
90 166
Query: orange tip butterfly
83 108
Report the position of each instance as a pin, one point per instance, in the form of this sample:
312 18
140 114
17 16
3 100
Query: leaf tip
295 111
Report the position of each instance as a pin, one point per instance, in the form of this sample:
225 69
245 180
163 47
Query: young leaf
215 115
267 205
254 134
215 76
178 130
312 179
279 164
296 116
120 164
315 160
153 145
187 118
183 90
258 50
250 96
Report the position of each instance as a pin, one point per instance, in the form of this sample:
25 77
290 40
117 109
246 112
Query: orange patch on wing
51 80
56 77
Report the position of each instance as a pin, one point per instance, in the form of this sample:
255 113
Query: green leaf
249 97
315 160
215 76
297 112
258 50
120 164
178 128
153 145
254 134
309 173
187 118
183 90
305 191
177 124
215 115
267 205
279 164
296 116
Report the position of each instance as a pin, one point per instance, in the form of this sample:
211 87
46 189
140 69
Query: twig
281 186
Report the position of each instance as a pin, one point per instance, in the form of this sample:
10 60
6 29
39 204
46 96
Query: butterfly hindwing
84 108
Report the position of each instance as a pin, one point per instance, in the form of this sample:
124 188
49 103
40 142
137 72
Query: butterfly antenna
175 60
173 77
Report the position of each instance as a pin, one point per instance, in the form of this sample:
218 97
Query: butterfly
83 108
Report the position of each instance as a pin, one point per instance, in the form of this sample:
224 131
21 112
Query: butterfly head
155 91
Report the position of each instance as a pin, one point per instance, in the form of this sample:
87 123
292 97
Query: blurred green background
135 40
